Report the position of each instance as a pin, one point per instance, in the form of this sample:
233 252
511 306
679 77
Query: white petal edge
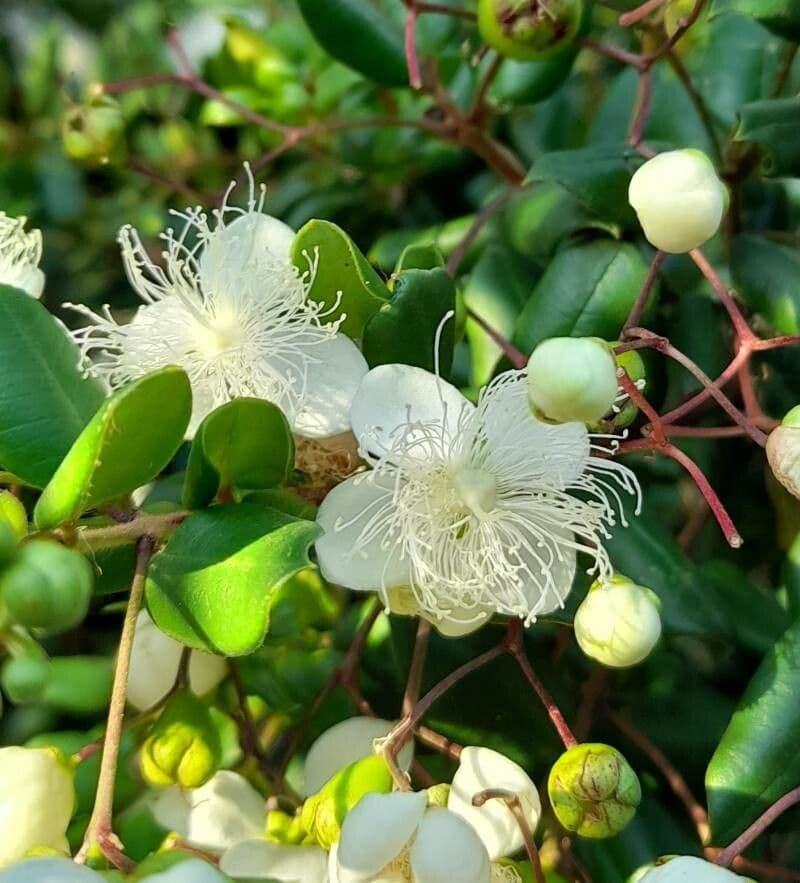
193 870
446 849
260 860
391 396
48 870
345 743
480 769
343 559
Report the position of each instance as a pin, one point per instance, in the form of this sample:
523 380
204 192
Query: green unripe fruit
593 790
633 364
572 379
13 514
183 747
93 133
48 587
322 815
79 685
24 678
529 29
8 545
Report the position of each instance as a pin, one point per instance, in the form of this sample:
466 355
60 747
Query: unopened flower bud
618 623
183 747
634 367
529 29
783 452
322 815
94 133
572 379
678 869
24 678
13 514
593 790
37 798
47 587
679 199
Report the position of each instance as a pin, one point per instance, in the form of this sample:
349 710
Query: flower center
477 489
217 336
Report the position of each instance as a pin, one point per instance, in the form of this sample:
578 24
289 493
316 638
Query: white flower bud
155 658
783 452
344 744
618 623
679 199
37 799
479 770
688 869
572 379
49 870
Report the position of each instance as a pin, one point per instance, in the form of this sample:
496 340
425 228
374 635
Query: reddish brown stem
412 59
643 405
745 840
644 295
517 359
627 19
743 330
512 801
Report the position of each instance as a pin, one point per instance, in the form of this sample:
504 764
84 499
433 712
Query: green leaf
45 402
388 249
529 82
343 274
598 177
782 17
586 291
211 587
244 445
757 760
405 329
361 35
775 125
131 438
419 257
767 275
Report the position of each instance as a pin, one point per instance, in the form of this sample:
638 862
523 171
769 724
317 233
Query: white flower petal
333 375
446 848
553 560
224 812
193 870
243 242
346 555
376 831
392 396
260 860
459 623
345 743
480 769
49 870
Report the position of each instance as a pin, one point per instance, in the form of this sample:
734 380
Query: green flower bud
679 868
679 199
24 678
634 366
529 29
438 795
286 829
572 379
618 623
183 747
48 587
13 514
783 452
593 790
322 815
93 133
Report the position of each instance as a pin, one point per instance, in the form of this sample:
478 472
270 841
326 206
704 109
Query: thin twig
512 801
746 839
640 304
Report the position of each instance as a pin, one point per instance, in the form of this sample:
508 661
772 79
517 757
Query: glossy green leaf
405 329
586 291
131 438
757 760
244 445
388 249
597 176
212 585
782 17
767 276
360 34
775 125
344 278
45 402
419 257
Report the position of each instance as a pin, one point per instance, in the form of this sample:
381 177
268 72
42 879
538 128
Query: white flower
261 860
345 743
155 658
225 811
49 870
467 510
618 623
37 799
20 253
481 769
231 309
396 838
679 199
688 869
